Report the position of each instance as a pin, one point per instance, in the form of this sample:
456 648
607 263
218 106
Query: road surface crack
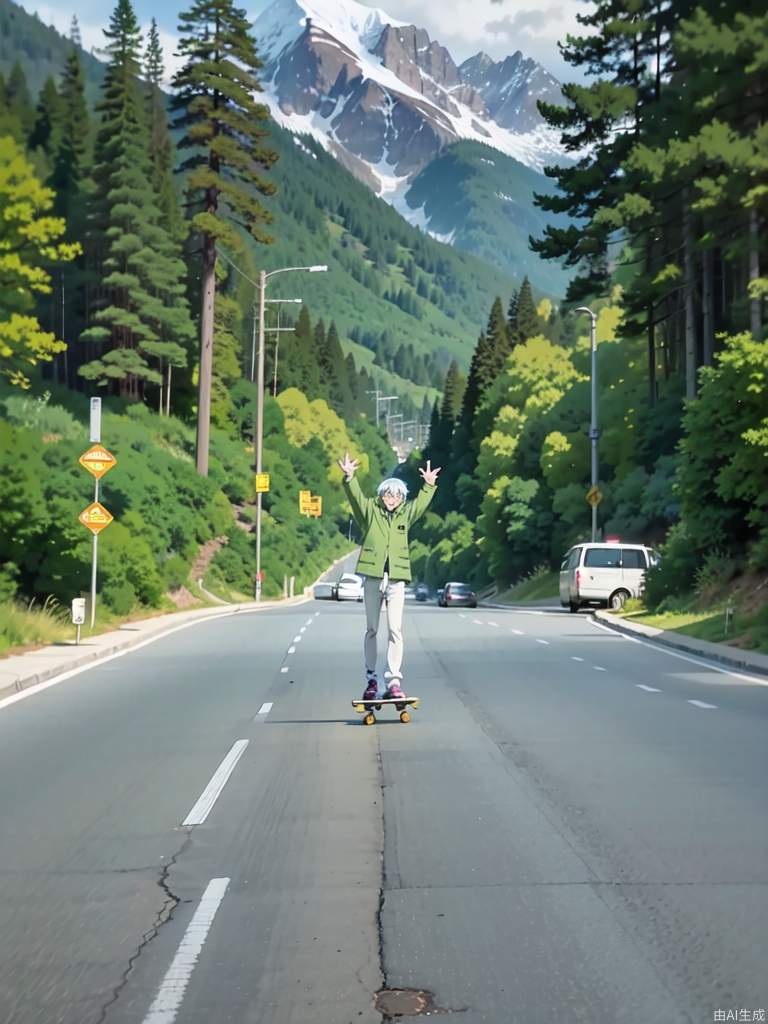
164 914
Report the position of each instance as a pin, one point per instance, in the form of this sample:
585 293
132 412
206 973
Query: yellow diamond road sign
594 495
98 461
95 517
262 483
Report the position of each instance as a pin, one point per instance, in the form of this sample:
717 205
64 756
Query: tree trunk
168 391
755 312
690 313
160 388
650 331
206 354
708 306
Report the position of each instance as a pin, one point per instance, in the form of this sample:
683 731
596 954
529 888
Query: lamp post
594 433
263 278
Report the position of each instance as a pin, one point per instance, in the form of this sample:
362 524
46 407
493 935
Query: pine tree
74 32
142 319
47 128
225 135
71 155
512 315
161 149
20 112
527 321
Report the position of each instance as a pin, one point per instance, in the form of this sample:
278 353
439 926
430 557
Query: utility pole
262 287
594 433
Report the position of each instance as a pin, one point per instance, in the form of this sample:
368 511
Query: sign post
98 461
78 614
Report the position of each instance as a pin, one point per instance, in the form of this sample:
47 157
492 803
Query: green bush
175 572
676 571
120 596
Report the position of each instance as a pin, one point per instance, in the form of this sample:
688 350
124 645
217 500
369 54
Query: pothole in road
394 1003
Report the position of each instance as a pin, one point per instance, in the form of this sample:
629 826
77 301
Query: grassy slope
540 587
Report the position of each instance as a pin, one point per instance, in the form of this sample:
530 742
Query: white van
604 574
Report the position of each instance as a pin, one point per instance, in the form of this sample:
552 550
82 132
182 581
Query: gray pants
377 591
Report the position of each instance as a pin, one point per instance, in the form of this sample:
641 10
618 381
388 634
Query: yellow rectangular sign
262 483
316 505
305 502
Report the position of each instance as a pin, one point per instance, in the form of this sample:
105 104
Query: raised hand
348 466
429 475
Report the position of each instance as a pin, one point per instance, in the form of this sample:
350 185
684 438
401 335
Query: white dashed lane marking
648 689
574 658
263 711
599 668
291 650
212 791
171 992
284 668
701 704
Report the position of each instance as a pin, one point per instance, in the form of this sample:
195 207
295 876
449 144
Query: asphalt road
572 828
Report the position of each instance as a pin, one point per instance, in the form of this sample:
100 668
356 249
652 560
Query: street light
263 278
593 431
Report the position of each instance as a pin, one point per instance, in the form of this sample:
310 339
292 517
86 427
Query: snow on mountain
383 97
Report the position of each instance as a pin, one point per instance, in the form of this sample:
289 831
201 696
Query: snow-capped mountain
386 99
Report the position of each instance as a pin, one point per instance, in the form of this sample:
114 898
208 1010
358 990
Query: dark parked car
422 592
458 595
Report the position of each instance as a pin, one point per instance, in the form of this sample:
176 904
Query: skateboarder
385 562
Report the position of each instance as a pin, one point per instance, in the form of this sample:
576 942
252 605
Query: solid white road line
648 689
685 657
39 687
701 704
171 992
212 791
546 642
574 658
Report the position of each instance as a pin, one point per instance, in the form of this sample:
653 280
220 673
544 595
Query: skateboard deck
402 704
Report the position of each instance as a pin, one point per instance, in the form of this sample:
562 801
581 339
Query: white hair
393 485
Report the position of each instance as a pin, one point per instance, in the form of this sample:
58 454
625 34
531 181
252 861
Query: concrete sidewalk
733 657
20 671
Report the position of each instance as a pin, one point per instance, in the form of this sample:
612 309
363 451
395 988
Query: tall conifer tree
142 318
225 136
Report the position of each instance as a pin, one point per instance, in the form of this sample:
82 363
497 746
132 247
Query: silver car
604 574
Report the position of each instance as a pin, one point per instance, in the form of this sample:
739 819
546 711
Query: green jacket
385 535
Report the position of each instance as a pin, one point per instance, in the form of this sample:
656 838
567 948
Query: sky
499 27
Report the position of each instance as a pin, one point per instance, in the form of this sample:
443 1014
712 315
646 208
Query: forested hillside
670 255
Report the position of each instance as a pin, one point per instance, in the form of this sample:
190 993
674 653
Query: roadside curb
732 657
12 681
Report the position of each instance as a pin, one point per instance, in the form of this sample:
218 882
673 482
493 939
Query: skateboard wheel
369 719
404 716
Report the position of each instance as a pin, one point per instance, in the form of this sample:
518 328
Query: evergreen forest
137 219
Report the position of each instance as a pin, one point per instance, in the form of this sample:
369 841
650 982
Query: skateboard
401 704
